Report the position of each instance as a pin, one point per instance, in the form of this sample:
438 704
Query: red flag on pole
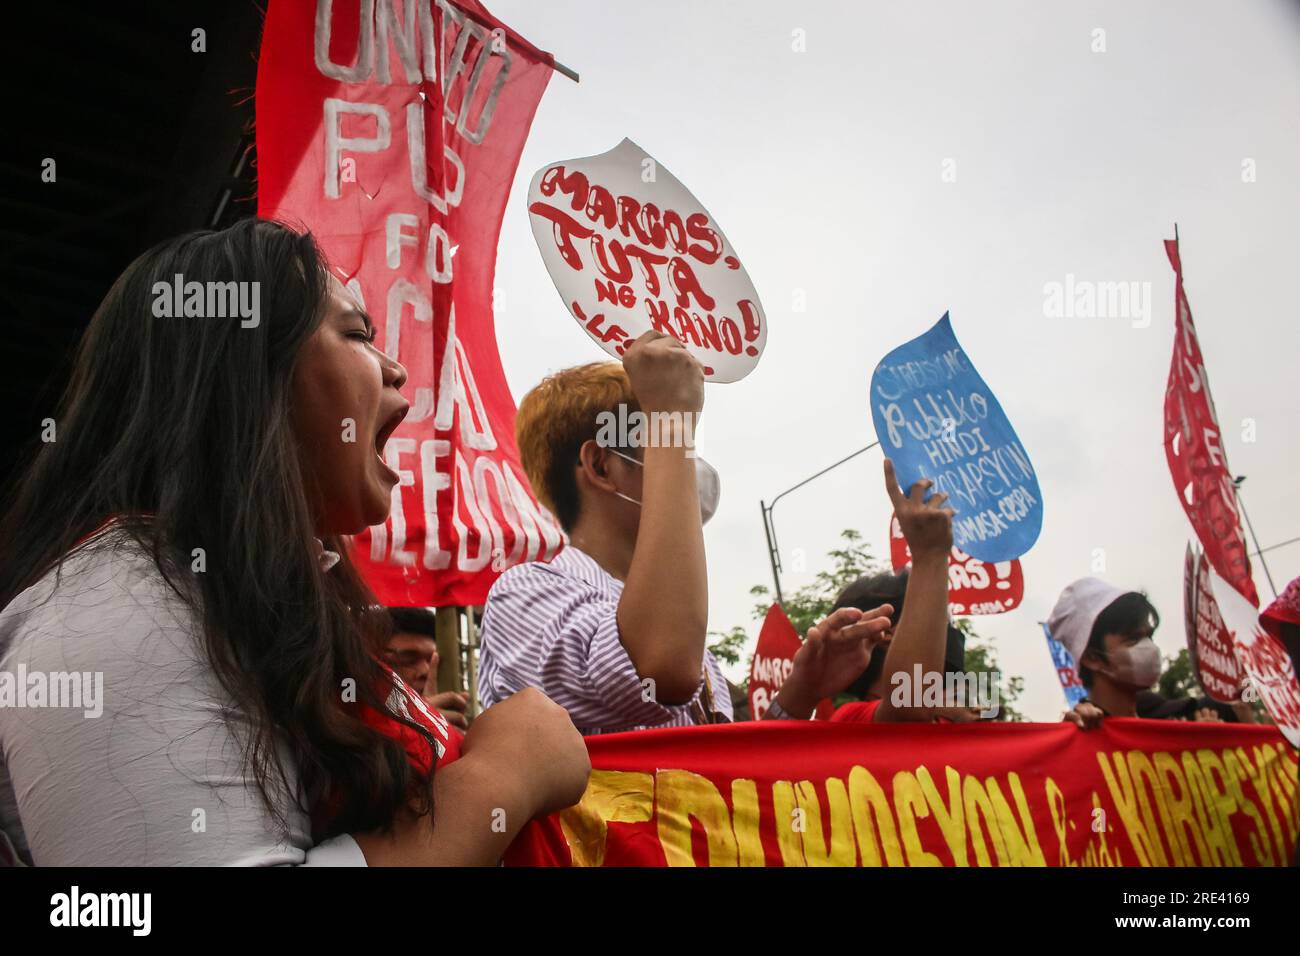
778 642
1194 450
392 132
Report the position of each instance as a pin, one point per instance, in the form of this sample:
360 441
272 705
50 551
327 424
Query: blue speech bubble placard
936 418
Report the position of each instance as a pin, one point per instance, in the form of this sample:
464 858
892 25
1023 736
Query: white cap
1076 612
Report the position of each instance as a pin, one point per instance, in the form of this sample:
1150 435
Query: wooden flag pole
447 637
559 67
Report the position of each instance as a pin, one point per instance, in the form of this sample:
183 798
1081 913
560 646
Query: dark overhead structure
149 138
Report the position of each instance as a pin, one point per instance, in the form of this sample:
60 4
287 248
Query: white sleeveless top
118 746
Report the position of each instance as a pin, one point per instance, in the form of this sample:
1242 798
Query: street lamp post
1259 552
769 526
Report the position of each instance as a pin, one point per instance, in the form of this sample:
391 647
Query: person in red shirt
873 684
919 637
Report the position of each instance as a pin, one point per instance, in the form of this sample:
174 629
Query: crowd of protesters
183 540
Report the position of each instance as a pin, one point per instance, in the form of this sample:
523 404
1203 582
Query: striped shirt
555 627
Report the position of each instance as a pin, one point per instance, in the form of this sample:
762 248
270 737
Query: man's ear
1094 660
593 462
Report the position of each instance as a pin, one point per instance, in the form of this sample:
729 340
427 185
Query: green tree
812 602
729 644
982 658
1178 679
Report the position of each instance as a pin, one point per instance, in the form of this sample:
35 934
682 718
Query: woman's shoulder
108 588
122 732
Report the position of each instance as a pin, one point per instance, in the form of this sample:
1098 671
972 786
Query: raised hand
664 376
927 525
835 652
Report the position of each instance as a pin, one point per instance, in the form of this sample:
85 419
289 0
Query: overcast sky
825 169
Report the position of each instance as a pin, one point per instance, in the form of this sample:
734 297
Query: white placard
630 249
1263 658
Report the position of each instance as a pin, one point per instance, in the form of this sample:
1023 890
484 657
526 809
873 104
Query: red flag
778 642
396 143
1194 449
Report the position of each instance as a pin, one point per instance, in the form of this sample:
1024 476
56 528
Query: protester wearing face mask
614 628
1109 634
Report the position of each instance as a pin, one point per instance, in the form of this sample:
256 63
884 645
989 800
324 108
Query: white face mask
1137 665
707 485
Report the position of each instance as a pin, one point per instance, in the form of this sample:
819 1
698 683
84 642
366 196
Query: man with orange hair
614 628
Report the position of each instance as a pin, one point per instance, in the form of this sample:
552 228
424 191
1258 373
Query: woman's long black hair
183 426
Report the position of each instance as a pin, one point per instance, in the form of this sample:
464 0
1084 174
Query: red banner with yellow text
1133 793
392 131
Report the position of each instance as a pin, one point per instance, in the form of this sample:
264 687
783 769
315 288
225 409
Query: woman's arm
479 810
521 758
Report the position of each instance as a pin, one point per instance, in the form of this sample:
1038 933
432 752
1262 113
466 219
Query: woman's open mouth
386 431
